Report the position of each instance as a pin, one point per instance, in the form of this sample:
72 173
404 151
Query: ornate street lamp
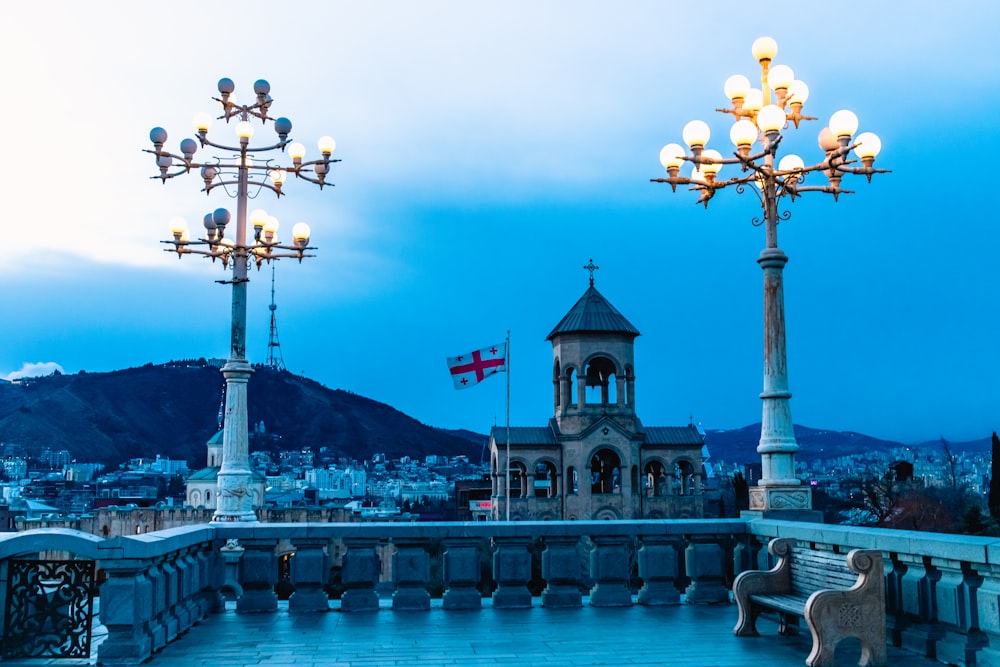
239 171
757 134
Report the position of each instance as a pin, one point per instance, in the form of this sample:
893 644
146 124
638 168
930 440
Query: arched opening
683 478
655 479
601 386
605 472
558 398
494 467
545 480
570 400
628 389
574 484
518 480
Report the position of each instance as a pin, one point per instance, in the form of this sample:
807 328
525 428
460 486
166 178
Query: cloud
34 370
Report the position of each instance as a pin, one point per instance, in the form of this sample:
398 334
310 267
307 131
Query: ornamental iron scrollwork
50 609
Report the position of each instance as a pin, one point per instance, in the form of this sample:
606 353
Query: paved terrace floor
679 636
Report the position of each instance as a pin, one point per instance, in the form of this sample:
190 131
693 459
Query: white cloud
34 370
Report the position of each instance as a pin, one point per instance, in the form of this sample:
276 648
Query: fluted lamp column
761 116
242 175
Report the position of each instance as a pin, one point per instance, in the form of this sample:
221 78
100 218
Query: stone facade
595 459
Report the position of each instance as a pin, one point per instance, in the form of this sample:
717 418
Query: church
595 459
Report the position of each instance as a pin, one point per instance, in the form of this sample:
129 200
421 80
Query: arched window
569 400
601 386
574 483
655 479
605 472
518 480
683 478
545 480
558 398
629 386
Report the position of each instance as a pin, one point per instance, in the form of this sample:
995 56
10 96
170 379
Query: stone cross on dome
591 267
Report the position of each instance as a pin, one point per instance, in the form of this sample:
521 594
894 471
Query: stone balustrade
943 591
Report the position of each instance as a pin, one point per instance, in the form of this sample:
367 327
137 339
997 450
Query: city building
595 459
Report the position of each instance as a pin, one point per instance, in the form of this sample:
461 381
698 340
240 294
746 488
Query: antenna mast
274 358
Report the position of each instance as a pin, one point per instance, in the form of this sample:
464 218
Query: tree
742 490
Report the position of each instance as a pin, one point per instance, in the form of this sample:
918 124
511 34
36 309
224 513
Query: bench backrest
815 570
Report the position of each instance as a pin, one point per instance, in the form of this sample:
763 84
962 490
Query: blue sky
489 151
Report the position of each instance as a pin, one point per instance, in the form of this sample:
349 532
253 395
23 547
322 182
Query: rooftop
160 593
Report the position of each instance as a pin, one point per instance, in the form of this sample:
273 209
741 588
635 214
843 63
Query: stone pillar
461 574
706 567
126 611
411 565
234 500
609 568
581 390
778 488
359 575
561 571
619 391
658 569
512 572
309 573
259 569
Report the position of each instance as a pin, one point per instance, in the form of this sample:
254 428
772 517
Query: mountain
172 410
740 445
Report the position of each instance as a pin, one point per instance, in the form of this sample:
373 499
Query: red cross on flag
471 369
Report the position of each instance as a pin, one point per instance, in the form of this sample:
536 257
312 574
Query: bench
838 597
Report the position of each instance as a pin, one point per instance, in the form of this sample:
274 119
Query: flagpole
507 364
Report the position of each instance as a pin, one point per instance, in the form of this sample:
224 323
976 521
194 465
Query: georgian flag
471 369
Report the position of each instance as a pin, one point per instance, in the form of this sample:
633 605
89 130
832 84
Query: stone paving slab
680 636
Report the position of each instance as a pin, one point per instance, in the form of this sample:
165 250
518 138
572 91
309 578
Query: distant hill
740 445
172 410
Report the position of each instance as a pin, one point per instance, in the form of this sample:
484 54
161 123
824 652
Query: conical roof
593 314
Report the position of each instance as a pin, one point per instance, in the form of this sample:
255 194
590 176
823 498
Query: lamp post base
784 503
765 498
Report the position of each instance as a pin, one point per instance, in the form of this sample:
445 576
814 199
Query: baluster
177 611
462 573
705 564
958 642
258 574
916 593
359 574
658 569
126 611
512 572
609 568
158 624
309 574
987 616
411 567
561 571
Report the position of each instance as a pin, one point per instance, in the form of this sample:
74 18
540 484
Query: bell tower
593 364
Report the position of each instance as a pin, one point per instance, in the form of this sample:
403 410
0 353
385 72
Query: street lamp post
757 134
239 172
